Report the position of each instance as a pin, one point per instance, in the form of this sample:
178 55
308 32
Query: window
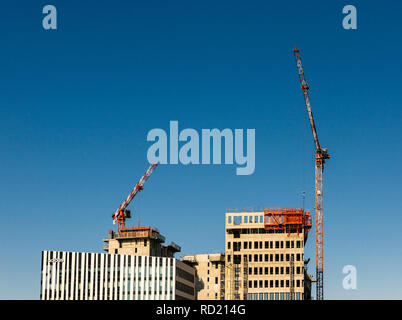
277 244
255 244
237 220
230 219
261 219
266 284
266 270
228 245
266 258
266 244
256 219
216 280
245 245
256 258
245 219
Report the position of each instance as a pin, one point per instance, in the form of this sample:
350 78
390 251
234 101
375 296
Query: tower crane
321 156
121 214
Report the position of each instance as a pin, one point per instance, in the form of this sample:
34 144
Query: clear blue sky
76 105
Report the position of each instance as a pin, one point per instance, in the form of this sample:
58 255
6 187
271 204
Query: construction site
263 257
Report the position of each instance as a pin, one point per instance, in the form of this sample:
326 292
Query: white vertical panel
116 281
121 282
111 276
86 276
151 268
132 277
137 278
174 279
53 279
163 278
44 276
67 280
81 284
141 286
96 270
63 275
101 282
72 280
126 280
91 271
76 283
56 275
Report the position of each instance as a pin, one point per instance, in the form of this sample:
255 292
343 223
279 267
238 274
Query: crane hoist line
321 156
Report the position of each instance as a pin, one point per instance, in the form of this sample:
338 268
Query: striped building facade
101 276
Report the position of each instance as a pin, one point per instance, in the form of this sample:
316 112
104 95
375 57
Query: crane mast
321 156
121 214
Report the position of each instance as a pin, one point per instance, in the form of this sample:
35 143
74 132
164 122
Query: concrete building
210 275
141 240
100 276
265 254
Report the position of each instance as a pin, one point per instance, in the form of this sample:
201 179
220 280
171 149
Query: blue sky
76 105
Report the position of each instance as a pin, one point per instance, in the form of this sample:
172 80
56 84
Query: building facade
100 276
265 254
210 275
141 240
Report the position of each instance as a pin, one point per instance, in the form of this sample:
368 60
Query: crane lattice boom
121 214
321 156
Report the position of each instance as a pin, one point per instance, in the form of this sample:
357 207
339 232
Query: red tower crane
121 214
321 156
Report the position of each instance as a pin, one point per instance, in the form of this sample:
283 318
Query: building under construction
210 275
141 240
265 254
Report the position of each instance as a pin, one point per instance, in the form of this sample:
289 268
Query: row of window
274 283
274 296
274 271
290 244
245 219
279 257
